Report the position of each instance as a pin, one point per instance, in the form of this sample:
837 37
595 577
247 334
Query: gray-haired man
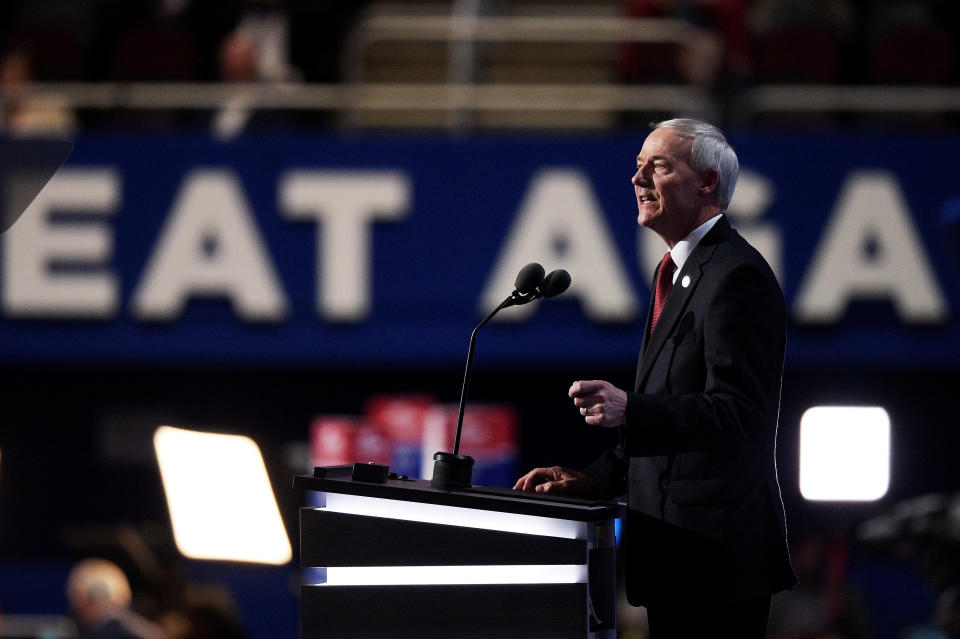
706 535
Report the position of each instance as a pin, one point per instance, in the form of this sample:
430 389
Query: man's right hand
555 479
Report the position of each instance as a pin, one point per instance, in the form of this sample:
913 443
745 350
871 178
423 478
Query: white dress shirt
682 249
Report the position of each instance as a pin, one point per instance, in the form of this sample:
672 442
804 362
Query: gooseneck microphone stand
452 470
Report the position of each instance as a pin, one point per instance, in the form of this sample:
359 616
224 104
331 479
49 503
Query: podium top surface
476 497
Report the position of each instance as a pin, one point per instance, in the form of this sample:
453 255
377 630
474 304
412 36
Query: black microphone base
451 472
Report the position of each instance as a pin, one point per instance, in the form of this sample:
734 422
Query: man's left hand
601 403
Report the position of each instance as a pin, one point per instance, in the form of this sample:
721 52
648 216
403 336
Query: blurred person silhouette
715 50
825 605
237 64
99 595
204 612
766 16
825 30
266 26
253 52
206 22
945 623
947 614
23 113
319 29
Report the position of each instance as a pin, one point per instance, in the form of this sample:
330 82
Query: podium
401 559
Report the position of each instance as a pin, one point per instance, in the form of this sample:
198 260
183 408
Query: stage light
454 516
844 453
453 575
220 500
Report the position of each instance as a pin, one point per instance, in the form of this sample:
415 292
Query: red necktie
664 284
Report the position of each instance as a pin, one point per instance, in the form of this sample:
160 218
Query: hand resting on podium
556 479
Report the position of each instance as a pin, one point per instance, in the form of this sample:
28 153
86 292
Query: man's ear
708 181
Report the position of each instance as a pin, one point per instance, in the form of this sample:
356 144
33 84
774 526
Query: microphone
452 470
528 279
531 285
555 283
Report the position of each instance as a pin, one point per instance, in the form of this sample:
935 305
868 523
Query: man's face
666 186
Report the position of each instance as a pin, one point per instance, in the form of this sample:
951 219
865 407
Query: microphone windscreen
529 277
555 283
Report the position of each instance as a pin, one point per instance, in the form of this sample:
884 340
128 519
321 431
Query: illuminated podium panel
401 559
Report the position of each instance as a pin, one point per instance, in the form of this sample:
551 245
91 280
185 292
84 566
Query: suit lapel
677 301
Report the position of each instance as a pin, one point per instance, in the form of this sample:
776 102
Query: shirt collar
682 249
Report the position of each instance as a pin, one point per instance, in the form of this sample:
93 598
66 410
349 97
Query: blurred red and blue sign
404 431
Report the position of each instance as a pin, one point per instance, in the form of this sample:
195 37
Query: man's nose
640 178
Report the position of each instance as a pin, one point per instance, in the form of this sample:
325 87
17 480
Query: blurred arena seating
458 66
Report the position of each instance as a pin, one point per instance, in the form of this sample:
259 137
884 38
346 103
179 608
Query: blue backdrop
455 208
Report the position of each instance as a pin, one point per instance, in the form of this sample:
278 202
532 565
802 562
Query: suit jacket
697 452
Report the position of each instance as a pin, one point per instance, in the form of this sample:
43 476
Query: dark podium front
400 560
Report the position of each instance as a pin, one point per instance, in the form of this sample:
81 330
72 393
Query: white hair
98 583
710 150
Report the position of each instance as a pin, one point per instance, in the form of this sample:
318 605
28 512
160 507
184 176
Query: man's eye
658 165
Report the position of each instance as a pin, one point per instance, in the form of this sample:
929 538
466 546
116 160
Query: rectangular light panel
455 516
220 499
844 453
454 575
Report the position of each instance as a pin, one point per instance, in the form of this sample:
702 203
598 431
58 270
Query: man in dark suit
705 534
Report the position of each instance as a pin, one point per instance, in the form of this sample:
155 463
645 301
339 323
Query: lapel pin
685 282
